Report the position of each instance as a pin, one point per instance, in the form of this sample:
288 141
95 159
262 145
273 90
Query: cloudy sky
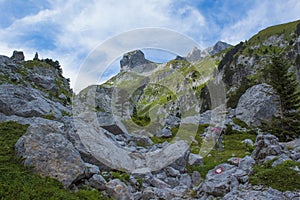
70 30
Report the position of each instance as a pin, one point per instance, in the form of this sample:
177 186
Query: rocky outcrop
218 47
18 56
258 103
266 145
135 60
28 102
46 149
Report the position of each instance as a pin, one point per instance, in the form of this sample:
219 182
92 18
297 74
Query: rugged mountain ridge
148 109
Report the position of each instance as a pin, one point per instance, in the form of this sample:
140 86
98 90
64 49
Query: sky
69 31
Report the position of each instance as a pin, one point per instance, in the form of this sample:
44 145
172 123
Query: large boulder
45 148
258 103
222 179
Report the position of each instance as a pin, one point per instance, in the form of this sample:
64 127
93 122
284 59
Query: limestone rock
118 190
18 56
265 145
97 182
247 163
44 147
27 102
221 179
195 159
258 103
135 60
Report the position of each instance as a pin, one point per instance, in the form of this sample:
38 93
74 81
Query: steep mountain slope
150 132
242 65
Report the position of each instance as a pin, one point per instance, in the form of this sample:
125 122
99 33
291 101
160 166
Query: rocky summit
215 124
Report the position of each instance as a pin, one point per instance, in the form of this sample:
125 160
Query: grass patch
124 177
18 182
281 177
240 123
233 147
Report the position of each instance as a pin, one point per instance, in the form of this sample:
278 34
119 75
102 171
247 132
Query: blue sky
70 30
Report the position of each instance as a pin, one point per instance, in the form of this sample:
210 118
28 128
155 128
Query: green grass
233 147
240 123
281 177
19 182
287 29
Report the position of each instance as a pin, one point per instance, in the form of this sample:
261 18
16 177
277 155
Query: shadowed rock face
18 56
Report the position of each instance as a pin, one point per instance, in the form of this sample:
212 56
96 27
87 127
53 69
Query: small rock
280 160
97 182
172 172
248 142
196 178
185 180
195 159
91 169
118 190
164 133
234 161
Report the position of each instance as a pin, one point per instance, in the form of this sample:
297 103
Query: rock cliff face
145 133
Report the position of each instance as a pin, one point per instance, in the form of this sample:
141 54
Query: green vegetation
281 177
233 97
233 147
287 125
287 29
240 123
124 177
19 182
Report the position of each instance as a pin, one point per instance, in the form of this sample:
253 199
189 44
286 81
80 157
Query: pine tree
287 125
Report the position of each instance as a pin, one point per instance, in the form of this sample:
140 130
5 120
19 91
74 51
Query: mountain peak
136 61
219 46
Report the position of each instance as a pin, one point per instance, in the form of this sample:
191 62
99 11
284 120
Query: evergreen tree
286 126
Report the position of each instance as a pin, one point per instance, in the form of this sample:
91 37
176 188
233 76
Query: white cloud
260 16
82 25
76 28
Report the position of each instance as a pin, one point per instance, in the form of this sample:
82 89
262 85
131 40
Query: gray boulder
282 158
118 190
50 153
97 182
172 172
247 163
91 169
185 180
222 179
258 103
266 145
